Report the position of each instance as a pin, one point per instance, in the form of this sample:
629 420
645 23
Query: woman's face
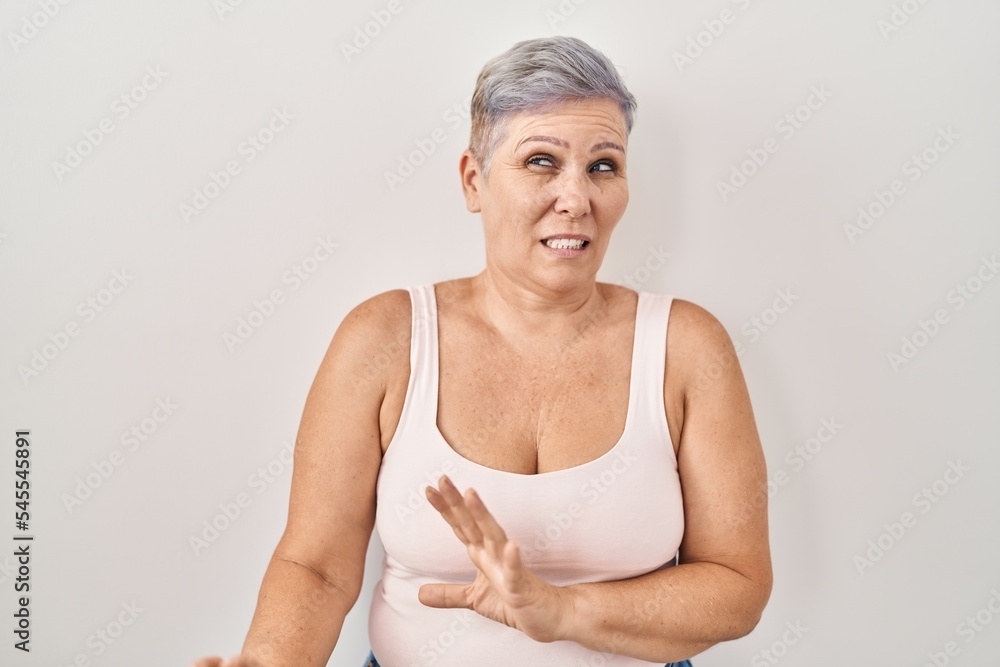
556 175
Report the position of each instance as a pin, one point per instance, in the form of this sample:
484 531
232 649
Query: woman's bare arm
723 581
315 574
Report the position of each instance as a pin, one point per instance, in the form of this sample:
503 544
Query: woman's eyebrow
559 142
607 144
543 139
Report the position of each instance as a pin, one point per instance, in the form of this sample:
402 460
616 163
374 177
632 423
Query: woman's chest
533 416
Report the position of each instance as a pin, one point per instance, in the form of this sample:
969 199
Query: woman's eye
606 166
541 161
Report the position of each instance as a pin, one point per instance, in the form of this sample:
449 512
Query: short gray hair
535 75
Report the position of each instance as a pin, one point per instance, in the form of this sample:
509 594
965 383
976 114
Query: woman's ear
468 167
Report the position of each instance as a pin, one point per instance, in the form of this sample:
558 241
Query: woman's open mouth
565 247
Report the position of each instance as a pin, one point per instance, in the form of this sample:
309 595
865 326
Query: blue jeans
372 662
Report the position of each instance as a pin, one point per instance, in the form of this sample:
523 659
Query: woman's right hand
235 661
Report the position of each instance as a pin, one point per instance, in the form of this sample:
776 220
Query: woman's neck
525 313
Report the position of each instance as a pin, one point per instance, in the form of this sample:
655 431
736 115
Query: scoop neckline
629 413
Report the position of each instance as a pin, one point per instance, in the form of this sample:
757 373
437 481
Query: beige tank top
615 517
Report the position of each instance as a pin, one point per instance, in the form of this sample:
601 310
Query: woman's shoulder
388 313
375 327
383 310
695 336
689 318
696 322
699 345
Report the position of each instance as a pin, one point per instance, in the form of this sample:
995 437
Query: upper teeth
564 243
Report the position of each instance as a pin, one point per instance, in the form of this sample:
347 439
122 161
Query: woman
556 418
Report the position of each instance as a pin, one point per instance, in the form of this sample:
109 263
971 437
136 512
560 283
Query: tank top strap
652 315
420 405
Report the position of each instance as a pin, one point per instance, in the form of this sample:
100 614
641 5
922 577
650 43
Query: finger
213 661
438 502
487 525
444 508
514 572
444 596
460 516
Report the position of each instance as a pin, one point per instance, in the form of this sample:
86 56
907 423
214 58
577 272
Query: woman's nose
573 195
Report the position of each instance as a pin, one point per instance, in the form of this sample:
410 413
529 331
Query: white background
63 234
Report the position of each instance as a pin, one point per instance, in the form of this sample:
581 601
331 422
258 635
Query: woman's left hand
504 590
